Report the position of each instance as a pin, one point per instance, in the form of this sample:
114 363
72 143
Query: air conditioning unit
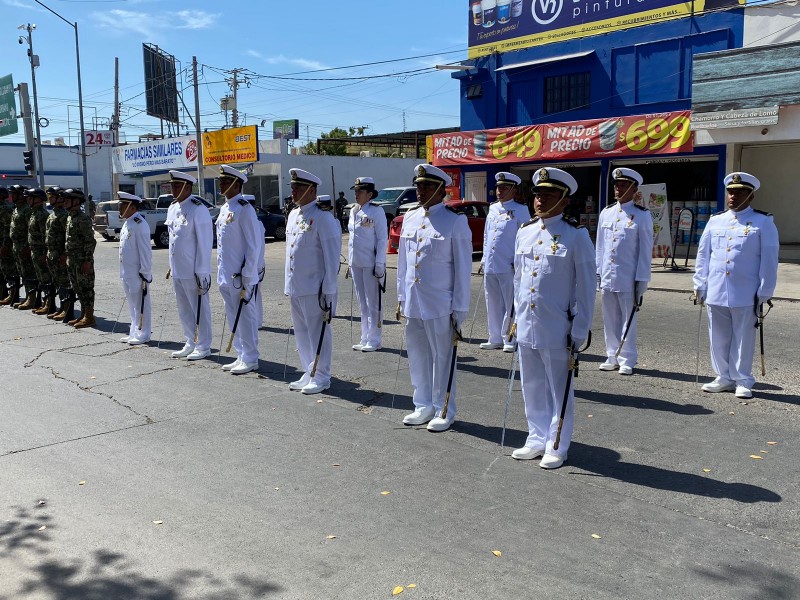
46 143
59 141
365 154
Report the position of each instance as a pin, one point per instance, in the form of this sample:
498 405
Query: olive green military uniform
80 249
37 228
22 251
55 240
8 265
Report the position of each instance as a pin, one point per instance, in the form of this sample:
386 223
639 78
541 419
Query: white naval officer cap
324 202
304 177
506 177
550 177
228 172
181 176
126 197
624 174
363 182
431 174
741 180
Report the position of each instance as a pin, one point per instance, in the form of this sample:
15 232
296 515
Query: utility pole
115 128
235 86
34 60
198 135
25 109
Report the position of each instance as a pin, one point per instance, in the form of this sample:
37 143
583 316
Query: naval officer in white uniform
135 267
554 294
191 237
239 243
313 247
623 257
366 255
505 218
735 274
433 289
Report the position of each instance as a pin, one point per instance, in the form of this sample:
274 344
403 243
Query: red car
476 217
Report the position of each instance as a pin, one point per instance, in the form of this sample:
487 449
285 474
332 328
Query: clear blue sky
267 37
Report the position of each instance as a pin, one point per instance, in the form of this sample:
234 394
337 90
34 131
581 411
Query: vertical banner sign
637 135
8 106
653 196
231 146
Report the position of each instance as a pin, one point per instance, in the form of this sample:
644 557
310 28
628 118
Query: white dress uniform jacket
191 237
624 246
737 263
433 282
135 258
366 248
737 258
499 235
239 243
554 293
434 263
313 247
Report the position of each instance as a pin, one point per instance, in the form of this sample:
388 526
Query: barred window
566 92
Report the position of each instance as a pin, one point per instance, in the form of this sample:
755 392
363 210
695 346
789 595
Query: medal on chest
554 245
229 218
747 227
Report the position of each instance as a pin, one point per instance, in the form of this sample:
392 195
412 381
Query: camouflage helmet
36 193
54 190
74 194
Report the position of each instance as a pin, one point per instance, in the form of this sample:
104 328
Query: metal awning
543 61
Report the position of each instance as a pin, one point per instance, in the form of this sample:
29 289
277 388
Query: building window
566 92
475 91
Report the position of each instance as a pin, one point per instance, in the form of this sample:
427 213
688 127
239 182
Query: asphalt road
125 474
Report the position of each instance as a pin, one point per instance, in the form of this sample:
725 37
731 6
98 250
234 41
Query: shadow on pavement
606 463
642 402
763 581
104 574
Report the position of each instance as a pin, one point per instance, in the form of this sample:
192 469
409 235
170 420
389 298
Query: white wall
771 24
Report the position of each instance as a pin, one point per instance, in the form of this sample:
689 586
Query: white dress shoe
138 342
370 347
439 424
551 461
509 347
358 347
199 354
244 367
527 453
490 346
743 392
608 366
183 352
625 370
298 385
232 365
315 388
125 339
419 417
719 385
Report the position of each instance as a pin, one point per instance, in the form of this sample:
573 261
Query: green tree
332 148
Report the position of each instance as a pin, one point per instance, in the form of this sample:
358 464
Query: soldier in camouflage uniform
22 250
55 239
8 270
36 232
80 257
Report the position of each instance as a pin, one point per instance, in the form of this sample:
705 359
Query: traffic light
27 158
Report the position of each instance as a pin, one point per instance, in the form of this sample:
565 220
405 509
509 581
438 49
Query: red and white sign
191 151
653 134
99 138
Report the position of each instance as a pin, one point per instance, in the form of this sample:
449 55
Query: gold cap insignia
736 178
358 180
221 171
501 177
294 175
420 171
617 174
543 175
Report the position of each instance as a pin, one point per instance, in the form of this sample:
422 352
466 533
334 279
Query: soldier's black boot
69 311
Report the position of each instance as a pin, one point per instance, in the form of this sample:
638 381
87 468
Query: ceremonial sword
456 337
573 371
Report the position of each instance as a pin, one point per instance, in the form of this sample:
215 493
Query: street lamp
80 96
34 60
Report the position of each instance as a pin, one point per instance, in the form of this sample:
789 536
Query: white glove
700 296
330 300
380 270
639 288
577 343
459 316
764 299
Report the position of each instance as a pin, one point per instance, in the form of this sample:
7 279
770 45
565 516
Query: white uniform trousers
732 333
307 320
544 375
245 341
617 307
133 295
366 286
186 298
430 352
499 298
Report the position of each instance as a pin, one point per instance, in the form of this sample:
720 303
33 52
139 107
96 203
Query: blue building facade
638 71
